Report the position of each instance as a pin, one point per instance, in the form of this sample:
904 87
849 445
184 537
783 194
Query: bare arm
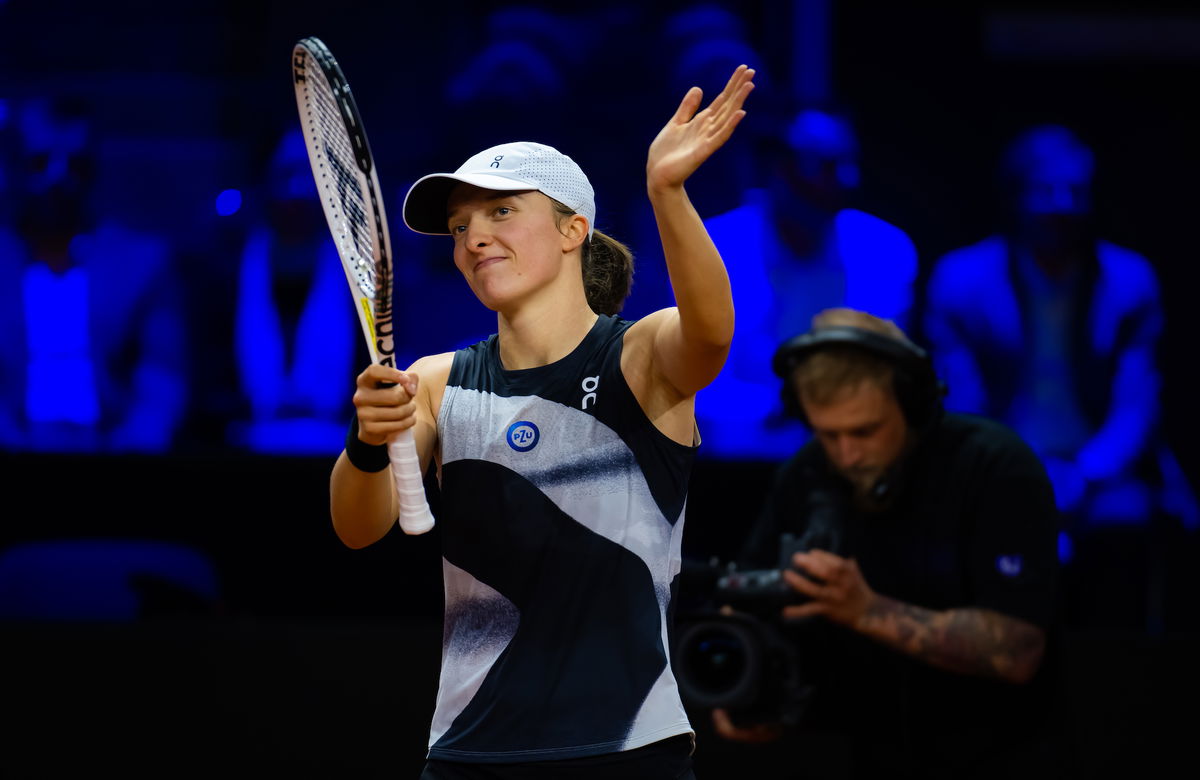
691 341
364 505
968 640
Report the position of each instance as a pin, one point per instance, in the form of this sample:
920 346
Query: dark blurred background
172 598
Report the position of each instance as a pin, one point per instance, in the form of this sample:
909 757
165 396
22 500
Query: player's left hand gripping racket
349 190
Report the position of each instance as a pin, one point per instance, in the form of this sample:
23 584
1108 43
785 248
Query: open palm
690 138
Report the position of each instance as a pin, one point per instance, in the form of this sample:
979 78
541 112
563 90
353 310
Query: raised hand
690 138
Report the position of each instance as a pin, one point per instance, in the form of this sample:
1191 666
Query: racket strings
342 183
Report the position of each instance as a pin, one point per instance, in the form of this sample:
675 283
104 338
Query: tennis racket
353 203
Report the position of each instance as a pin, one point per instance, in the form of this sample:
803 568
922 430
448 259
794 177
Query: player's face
506 244
863 432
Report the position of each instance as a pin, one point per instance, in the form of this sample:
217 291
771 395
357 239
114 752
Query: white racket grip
415 517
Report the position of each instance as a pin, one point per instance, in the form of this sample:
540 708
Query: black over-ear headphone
916 385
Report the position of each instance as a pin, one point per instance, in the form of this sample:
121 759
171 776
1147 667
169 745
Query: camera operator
923 614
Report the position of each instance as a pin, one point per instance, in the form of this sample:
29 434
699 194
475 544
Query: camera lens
718 663
716 659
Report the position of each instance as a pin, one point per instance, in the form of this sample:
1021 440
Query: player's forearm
698 277
968 641
362 504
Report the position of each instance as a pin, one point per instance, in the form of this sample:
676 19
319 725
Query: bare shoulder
433 371
641 334
432 366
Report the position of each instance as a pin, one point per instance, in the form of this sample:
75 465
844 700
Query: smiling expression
506 244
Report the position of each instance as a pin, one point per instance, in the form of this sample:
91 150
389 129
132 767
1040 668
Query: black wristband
365 457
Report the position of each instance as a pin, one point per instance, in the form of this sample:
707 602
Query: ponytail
607 269
607 273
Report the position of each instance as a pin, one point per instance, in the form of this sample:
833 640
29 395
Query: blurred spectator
794 247
705 43
294 325
1052 329
701 45
525 60
518 77
93 354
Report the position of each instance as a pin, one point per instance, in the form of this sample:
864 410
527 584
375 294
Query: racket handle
415 517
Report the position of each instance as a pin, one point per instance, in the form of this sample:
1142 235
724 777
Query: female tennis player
564 444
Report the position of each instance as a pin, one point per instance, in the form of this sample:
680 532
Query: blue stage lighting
228 202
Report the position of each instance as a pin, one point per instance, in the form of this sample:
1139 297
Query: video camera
737 653
741 659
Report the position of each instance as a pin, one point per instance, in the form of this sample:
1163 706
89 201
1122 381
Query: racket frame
375 309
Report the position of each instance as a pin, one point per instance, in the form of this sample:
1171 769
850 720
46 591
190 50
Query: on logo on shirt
589 386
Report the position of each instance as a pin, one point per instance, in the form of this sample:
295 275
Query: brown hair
607 268
826 374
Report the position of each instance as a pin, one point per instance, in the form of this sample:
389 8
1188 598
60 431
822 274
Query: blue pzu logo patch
523 436
1009 565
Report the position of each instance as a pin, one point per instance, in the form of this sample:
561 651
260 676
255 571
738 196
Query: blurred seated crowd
1045 325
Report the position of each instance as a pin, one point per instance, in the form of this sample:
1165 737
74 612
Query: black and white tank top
562 518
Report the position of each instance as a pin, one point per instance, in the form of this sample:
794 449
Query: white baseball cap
522 165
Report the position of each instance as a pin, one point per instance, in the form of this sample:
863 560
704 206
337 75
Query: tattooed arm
967 640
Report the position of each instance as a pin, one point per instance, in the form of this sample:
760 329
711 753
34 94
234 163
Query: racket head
348 185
